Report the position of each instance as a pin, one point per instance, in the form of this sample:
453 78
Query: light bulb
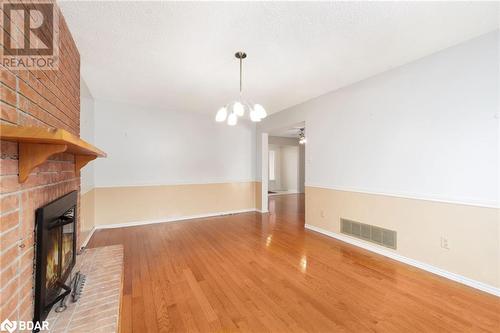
254 116
238 109
232 119
261 112
221 115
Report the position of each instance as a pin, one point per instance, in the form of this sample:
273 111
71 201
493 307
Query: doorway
284 161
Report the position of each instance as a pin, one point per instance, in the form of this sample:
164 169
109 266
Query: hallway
289 208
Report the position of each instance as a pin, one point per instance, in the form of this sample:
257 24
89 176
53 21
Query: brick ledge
98 308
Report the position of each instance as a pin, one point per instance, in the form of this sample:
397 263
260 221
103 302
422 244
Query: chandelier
235 109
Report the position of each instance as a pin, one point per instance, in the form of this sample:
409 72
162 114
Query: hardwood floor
261 273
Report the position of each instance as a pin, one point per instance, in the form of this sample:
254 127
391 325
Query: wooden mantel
37 144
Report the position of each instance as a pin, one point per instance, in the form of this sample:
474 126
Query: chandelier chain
241 75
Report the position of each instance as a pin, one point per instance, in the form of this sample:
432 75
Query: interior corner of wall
87 210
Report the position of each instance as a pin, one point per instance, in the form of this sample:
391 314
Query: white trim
172 219
87 190
211 182
407 195
261 211
264 171
87 239
393 255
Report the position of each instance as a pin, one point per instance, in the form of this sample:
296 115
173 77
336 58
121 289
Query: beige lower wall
472 232
87 212
116 205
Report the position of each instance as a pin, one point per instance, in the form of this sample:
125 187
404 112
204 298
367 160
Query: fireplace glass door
56 225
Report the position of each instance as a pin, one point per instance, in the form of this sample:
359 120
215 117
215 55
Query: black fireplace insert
55 231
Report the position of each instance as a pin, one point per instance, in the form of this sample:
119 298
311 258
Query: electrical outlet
322 213
445 243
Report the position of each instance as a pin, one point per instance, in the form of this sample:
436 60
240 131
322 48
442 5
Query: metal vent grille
369 233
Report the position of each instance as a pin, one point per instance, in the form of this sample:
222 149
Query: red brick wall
33 98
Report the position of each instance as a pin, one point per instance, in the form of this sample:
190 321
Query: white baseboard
393 255
87 239
173 219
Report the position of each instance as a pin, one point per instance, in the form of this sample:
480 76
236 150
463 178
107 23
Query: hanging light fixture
302 136
235 109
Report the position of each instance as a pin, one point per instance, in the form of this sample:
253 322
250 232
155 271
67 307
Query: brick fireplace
49 99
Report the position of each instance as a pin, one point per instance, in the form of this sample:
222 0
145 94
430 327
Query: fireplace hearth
55 230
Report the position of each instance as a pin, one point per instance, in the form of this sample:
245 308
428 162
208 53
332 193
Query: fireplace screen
55 252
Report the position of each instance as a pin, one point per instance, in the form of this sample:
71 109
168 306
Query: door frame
265 167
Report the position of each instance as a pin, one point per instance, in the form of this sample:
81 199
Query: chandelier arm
237 108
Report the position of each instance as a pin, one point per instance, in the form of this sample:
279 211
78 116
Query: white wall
283 141
302 169
160 147
290 163
428 129
87 123
289 168
275 184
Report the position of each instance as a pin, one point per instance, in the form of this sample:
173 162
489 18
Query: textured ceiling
179 56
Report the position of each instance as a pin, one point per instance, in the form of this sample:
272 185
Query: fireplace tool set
77 283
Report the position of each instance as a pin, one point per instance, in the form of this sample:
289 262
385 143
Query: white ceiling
179 56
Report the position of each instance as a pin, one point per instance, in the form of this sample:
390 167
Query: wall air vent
369 233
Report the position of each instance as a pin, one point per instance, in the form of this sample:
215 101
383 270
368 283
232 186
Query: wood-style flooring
266 273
